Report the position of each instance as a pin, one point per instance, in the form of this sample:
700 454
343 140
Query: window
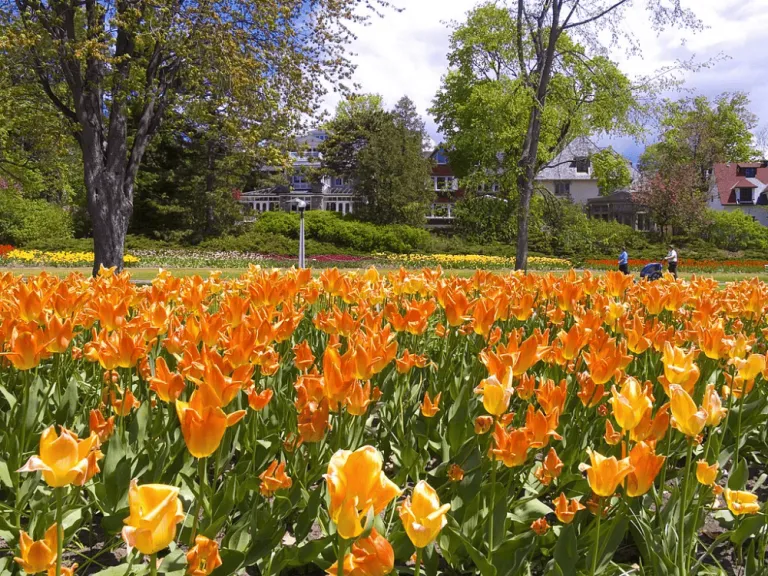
745 195
562 188
444 183
747 172
581 165
441 157
338 181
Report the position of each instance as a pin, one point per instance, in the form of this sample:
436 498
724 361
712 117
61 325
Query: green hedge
24 222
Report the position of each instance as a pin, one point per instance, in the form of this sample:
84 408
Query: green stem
340 557
596 551
738 423
683 499
663 481
59 530
153 564
201 472
417 568
493 505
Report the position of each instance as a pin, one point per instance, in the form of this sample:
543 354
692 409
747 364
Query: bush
735 231
608 237
24 222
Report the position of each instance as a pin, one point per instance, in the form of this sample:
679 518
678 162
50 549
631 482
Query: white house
332 193
741 186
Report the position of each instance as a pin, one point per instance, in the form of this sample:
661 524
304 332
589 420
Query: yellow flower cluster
472 260
58 258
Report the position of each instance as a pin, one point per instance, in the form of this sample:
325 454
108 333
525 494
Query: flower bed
281 421
452 261
688 265
18 257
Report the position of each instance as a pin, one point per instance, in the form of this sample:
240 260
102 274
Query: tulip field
366 423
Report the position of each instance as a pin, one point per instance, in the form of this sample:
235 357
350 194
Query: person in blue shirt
624 261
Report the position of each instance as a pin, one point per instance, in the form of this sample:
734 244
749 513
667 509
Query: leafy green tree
697 133
611 170
525 80
113 69
381 152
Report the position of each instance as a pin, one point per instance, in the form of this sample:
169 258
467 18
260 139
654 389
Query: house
741 186
446 188
621 208
303 181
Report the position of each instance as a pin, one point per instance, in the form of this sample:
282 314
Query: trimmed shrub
24 222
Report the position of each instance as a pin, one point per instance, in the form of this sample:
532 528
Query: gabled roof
561 167
727 179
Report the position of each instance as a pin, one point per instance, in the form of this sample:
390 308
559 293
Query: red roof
727 178
743 183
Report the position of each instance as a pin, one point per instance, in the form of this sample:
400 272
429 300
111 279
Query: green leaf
174 562
482 564
231 560
739 475
430 560
748 527
566 551
5 477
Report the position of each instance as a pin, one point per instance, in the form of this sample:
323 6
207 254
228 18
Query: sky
405 53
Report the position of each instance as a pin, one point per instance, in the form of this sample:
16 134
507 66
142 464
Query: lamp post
301 205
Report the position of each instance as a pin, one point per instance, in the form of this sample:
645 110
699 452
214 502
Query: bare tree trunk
110 205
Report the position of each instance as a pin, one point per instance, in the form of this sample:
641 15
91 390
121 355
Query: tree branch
596 16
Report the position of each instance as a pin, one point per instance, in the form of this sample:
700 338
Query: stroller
652 271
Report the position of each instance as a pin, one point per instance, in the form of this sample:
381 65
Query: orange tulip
540 526
705 473
203 425
455 473
155 509
740 502
97 424
712 405
652 429
27 348
483 424
685 417
38 555
58 334
429 407
551 467
540 427
65 571
359 398
551 397
525 389
337 376
303 358
126 403
258 400
357 486
573 341
274 478
589 393
605 474
630 405
203 558
565 510
166 384
510 447
369 556
647 466
65 459
409 361
456 304
637 343
605 359
422 515
313 421
611 436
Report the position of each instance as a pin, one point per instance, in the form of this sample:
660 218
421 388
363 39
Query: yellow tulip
679 366
37 555
605 474
357 485
422 515
749 368
685 416
712 405
496 395
630 405
741 502
155 509
65 459
705 473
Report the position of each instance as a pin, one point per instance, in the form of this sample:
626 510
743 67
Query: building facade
620 208
303 181
741 186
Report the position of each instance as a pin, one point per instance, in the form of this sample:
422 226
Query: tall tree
523 64
611 170
113 69
381 153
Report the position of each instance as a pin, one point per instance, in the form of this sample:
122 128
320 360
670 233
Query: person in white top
671 259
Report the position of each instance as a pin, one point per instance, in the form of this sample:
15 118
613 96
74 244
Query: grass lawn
144 274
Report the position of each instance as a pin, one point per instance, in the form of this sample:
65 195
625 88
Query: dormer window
581 164
441 158
747 171
745 195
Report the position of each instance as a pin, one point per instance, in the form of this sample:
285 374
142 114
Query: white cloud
405 53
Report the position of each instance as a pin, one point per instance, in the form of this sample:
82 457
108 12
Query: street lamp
301 205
